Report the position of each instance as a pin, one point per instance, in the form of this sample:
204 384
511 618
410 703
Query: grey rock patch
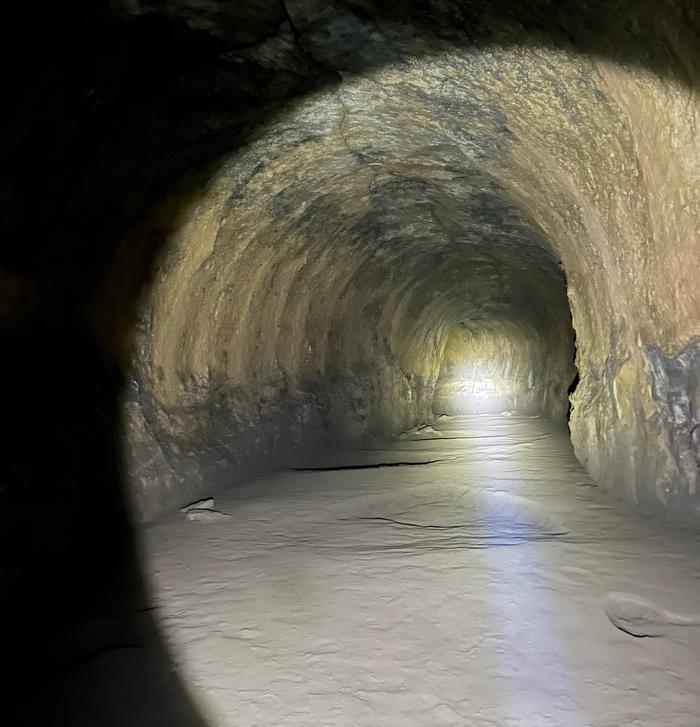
205 504
641 617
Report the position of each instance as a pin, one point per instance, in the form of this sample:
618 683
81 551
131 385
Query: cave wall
258 342
351 180
309 286
626 242
279 319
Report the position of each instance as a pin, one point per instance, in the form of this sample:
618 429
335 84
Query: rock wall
277 318
431 159
237 231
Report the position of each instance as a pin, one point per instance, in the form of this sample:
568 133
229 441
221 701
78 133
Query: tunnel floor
468 591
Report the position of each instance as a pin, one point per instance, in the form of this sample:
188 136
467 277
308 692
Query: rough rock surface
237 231
442 174
283 210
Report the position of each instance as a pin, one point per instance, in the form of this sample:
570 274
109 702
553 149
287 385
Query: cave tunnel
298 299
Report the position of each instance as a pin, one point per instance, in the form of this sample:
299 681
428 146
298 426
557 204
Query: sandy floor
467 591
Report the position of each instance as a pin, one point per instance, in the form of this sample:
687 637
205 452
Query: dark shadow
569 392
105 112
364 466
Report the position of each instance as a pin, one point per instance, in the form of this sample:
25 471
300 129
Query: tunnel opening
504 368
350 342
201 326
283 324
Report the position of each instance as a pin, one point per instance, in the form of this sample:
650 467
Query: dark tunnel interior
241 237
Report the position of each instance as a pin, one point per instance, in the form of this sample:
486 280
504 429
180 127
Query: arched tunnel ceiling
332 256
304 197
